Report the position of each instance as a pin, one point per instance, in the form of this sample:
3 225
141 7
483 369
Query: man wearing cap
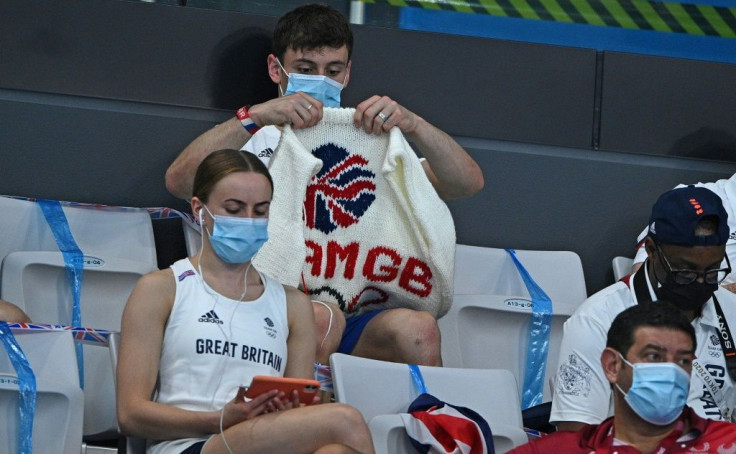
726 190
686 261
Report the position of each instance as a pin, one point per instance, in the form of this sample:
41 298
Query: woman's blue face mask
235 239
321 88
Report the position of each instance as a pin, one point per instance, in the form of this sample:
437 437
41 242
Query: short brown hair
312 27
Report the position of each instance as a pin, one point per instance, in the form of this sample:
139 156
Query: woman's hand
281 403
238 410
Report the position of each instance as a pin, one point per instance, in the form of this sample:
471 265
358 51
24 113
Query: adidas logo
267 153
210 317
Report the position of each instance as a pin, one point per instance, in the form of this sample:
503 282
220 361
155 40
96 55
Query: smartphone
262 383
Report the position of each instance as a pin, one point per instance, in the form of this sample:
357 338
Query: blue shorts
354 327
196 448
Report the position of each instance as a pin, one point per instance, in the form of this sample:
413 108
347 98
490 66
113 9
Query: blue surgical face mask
658 391
321 88
235 239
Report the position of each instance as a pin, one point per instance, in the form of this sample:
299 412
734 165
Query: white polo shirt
582 392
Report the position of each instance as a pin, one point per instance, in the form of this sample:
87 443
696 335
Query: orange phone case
262 383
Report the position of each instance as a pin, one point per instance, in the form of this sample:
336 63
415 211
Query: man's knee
415 336
420 330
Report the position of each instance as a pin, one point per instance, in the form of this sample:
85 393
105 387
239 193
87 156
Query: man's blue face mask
658 391
321 88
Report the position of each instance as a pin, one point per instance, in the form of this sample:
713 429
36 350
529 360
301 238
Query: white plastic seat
36 281
132 445
488 324
621 266
57 422
381 390
192 236
118 247
126 234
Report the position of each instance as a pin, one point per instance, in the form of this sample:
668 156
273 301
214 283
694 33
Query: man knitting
311 64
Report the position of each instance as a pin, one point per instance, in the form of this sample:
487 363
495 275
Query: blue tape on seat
416 375
539 331
73 261
26 388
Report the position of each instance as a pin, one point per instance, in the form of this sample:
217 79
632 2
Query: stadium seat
117 246
36 281
192 236
381 390
57 422
487 326
128 232
132 445
621 266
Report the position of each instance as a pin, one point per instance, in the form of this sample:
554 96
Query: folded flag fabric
355 215
434 426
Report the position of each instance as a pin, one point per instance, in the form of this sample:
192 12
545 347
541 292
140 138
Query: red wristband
246 121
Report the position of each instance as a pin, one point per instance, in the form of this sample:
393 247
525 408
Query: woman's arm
302 343
142 333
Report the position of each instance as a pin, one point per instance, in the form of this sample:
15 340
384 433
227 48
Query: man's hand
380 113
297 109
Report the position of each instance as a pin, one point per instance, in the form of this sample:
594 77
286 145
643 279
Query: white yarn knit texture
355 215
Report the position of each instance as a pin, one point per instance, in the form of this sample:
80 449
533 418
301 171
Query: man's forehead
322 55
661 338
695 256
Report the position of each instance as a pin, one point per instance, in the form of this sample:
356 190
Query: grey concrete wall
97 97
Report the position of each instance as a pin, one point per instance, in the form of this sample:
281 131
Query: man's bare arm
180 174
449 167
298 109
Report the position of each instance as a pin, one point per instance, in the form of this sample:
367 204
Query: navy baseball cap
678 211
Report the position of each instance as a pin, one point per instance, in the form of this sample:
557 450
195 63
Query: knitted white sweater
355 215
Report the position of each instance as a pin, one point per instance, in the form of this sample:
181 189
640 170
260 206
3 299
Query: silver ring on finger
382 116
309 107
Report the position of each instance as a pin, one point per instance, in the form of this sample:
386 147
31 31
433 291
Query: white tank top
212 344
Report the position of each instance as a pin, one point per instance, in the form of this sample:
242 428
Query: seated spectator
11 313
311 64
193 333
685 245
726 190
647 363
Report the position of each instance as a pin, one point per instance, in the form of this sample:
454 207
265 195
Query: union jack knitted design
357 215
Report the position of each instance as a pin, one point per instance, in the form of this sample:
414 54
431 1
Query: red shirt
704 436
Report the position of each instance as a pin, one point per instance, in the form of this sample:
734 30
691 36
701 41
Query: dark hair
312 27
222 163
660 314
